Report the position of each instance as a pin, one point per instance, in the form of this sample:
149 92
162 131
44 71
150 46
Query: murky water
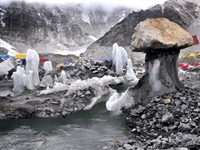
84 130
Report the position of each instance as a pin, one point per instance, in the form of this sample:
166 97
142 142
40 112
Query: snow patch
6 66
122 16
76 52
85 17
11 50
92 37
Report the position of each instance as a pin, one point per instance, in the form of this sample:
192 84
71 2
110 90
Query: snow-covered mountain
186 13
55 27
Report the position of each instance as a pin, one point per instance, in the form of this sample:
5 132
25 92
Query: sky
135 4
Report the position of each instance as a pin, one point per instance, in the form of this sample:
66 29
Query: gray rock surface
48 28
159 34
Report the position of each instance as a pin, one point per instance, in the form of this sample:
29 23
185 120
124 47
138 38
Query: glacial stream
85 130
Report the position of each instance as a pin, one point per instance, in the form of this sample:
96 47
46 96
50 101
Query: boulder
159 34
162 41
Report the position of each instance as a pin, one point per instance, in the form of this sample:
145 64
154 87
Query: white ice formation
155 82
119 57
130 75
117 101
32 64
17 79
28 78
62 78
47 66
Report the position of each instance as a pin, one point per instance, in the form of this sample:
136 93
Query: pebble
167 118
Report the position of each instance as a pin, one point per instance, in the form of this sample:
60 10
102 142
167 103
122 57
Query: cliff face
36 25
181 12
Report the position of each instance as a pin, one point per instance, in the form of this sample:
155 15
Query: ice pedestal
32 64
62 77
130 75
28 78
119 57
17 79
47 66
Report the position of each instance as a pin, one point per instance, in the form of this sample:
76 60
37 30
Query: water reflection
83 130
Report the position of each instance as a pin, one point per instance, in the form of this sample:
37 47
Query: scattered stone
128 146
183 127
167 118
167 101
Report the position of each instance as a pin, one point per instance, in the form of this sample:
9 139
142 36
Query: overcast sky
139 4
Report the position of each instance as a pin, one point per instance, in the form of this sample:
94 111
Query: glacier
32 64
47 66
119 57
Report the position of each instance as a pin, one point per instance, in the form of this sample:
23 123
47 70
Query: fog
134 4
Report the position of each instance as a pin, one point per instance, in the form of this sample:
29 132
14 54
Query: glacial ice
30 81
115 47
130 75
17 79
119 57
117 101
28 78
62 78
58 87
118 62
156 84
181 74
46 81
124 56
77 85
32 64
101 88
47 66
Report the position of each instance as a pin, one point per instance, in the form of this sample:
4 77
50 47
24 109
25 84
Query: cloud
108 4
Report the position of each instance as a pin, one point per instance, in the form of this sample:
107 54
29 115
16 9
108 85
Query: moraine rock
157 39
159 34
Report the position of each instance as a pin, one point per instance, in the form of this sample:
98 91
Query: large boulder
162 41
159 33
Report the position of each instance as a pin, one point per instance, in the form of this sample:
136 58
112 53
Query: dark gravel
171 121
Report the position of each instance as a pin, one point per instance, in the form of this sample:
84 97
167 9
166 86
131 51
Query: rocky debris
184 13
167 114
158 34
58 103
172 125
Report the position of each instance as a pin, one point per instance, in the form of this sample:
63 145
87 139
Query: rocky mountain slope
184 13
51 27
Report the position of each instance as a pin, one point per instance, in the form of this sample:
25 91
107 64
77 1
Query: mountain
183 12
55 27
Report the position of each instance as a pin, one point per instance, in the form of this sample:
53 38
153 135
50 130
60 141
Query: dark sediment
170 121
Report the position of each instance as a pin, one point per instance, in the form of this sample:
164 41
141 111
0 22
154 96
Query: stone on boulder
162 41
159 33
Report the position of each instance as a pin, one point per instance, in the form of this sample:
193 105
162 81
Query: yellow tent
190 55
20 56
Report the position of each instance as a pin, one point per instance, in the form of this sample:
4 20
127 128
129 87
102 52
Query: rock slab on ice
159 34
